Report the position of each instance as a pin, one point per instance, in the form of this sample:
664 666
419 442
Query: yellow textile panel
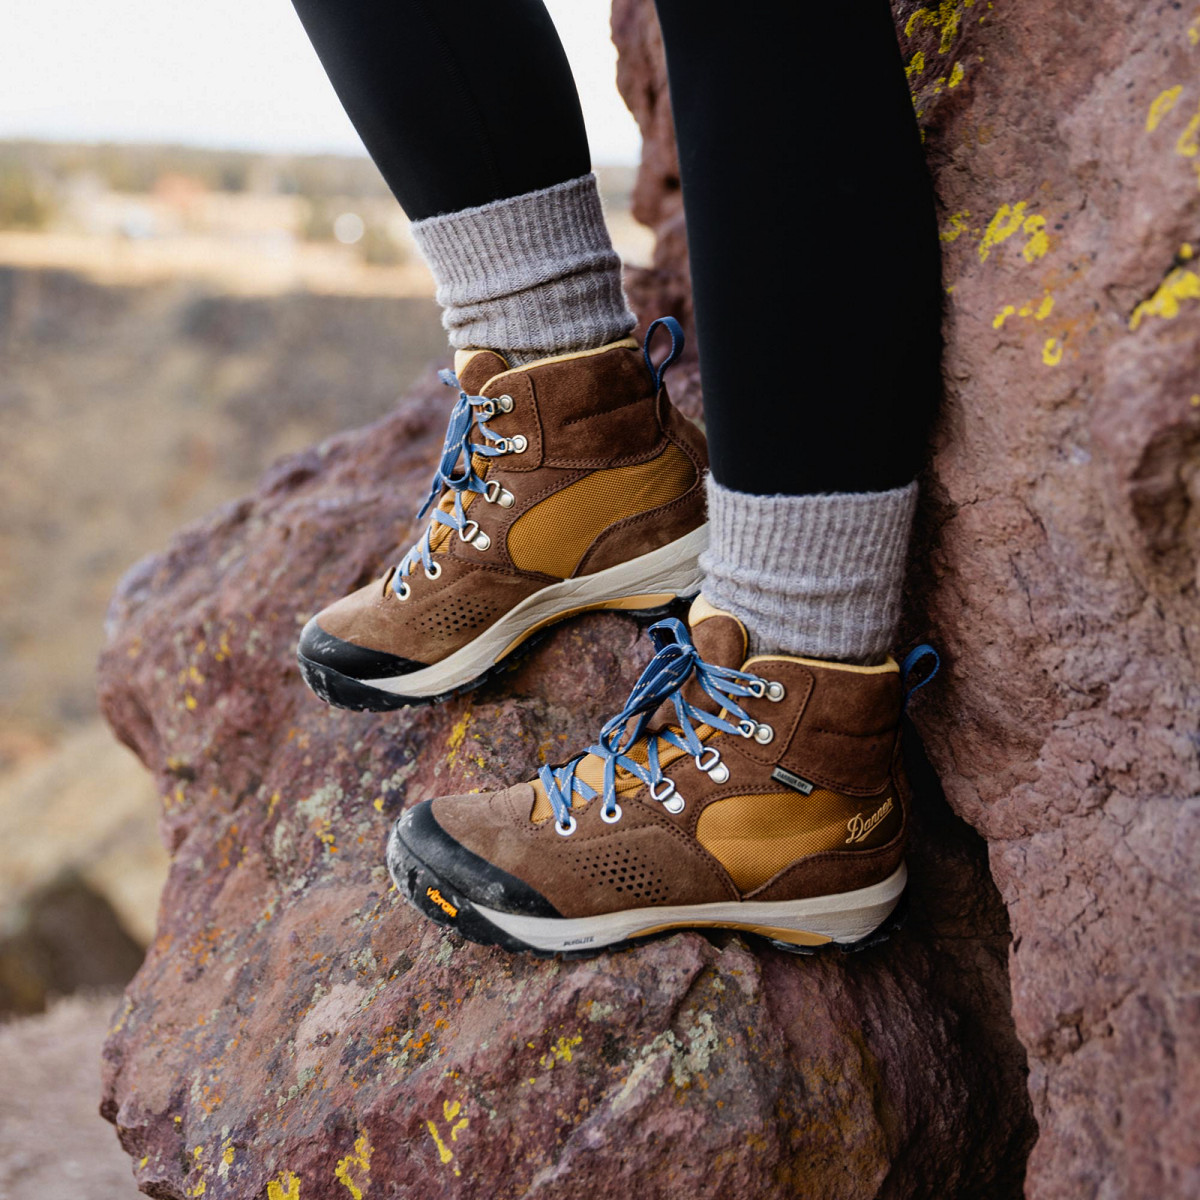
443 533
591 772
555 534
755 837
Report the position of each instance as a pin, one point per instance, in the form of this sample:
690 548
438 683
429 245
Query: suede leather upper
836 729
580 414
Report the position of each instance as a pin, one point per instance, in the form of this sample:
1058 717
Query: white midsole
843 917
673 568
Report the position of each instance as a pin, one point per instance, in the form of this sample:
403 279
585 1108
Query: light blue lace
676 661
465 417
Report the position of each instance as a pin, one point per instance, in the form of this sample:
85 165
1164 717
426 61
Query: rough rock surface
1058 550
296 1032
1058 544
295 1021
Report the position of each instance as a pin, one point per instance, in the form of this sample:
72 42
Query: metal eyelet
403 591
674 806
437 570
487 411
617 814
495 493
713 767
472 534
747 728
776 691
758 689
668 789
505 403
565 830
517 444
764 735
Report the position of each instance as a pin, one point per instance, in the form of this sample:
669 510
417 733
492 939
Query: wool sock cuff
815 576
530 276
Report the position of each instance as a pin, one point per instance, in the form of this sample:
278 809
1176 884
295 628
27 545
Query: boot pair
762 793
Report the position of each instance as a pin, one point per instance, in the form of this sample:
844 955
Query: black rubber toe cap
418 833
357 662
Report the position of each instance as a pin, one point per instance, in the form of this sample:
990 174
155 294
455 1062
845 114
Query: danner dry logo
796 782
441 902
859 827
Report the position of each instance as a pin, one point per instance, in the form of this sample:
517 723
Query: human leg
470 111
815 274
568 481
754 778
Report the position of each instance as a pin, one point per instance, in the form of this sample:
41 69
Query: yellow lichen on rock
360 1160
285 1186
1039 241
1180 284
1161 105
1007 220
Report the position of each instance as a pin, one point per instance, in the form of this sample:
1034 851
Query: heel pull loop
911 659
674 328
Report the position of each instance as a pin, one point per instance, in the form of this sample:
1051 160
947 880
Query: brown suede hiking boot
765 794
565 485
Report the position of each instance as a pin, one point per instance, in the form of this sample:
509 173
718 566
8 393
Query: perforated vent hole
455 614
625 873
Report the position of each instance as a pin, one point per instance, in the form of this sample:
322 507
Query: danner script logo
441 902
859 827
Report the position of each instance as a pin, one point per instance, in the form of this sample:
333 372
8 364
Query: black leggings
810 216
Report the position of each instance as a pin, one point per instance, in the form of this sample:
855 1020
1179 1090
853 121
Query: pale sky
228 73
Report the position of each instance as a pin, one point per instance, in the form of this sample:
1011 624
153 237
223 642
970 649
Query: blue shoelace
470 413
675 662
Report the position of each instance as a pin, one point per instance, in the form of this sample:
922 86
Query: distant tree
23 205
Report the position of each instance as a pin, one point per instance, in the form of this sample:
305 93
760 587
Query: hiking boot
764 794
565 485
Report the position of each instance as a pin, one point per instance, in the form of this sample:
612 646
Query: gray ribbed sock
528 277
815 576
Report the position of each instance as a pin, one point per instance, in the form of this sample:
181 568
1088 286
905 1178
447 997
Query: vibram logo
441 902
860 827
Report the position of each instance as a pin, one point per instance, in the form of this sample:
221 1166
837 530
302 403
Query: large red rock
295 1020
297 1032
1058 550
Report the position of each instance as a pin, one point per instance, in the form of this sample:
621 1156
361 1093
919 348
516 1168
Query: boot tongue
475 367
720 639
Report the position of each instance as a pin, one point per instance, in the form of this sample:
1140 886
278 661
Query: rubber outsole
445 904
343 691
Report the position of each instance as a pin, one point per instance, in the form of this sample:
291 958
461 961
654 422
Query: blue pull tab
674 328
911 659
